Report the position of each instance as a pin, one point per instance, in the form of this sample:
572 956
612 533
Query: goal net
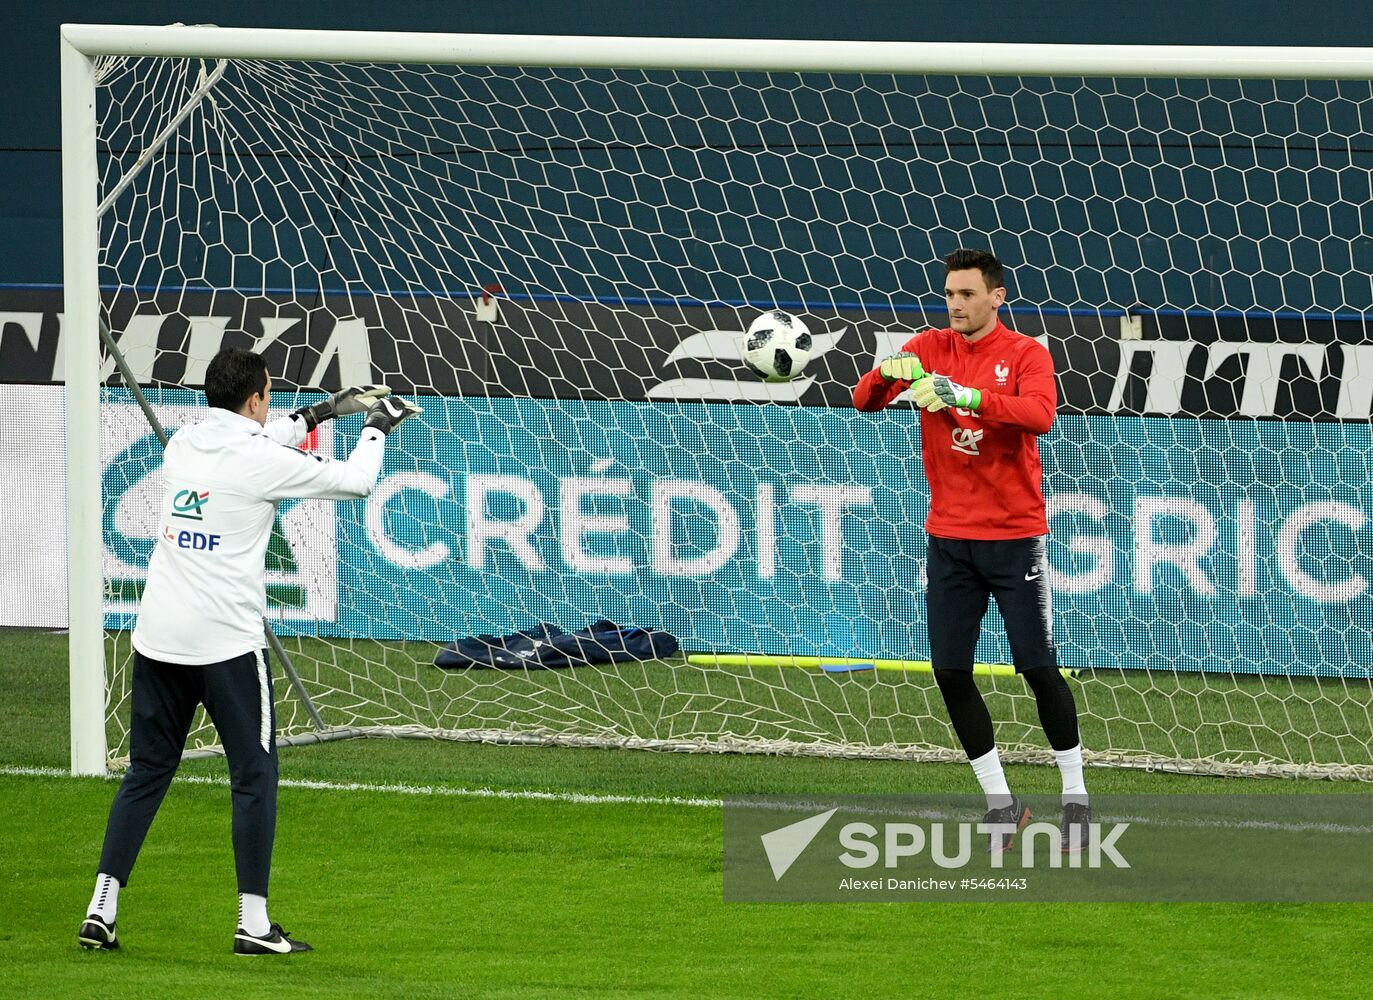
558 262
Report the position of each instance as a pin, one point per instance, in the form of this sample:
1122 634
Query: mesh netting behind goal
559 262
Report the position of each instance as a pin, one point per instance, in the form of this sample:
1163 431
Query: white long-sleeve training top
206 589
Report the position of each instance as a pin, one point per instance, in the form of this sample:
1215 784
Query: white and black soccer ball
777 346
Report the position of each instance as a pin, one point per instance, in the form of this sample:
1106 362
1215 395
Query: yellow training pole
815 662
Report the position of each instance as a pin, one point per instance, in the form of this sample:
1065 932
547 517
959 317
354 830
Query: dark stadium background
30 231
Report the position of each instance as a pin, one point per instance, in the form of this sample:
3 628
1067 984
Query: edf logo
191 539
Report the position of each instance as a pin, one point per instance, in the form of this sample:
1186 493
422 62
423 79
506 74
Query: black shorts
961 575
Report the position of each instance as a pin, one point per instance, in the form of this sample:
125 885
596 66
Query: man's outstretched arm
286 472
292 429
892 376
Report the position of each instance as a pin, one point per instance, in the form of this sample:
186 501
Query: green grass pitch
450 895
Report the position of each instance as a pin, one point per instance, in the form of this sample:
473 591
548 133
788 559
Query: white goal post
1311 720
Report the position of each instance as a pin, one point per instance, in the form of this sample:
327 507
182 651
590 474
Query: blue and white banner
1176 544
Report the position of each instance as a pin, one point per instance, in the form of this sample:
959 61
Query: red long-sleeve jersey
983 467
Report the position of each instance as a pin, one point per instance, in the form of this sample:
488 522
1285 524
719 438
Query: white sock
992 778
1070 766
105 899
252 914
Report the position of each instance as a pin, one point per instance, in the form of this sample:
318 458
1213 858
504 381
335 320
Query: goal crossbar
747 55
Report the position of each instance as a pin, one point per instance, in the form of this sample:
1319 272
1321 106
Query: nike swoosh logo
280 947
96 933
1032 576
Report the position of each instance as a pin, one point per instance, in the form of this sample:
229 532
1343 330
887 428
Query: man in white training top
199 637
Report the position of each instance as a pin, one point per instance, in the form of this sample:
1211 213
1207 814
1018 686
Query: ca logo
965 440
188 504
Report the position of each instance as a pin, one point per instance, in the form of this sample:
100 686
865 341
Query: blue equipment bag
546 647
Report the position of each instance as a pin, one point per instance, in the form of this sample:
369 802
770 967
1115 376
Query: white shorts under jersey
206 590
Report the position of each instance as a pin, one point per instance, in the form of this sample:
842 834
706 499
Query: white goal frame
81 44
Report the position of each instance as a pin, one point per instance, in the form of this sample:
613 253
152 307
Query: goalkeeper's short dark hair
985 261
232 378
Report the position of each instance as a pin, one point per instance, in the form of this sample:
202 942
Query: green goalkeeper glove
357 399
901 367
934 392
924 395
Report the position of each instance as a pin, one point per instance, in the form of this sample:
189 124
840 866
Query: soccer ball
777 346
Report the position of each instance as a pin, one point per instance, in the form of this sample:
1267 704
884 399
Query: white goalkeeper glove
341 404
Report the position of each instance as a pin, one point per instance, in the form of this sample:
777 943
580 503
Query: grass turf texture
413 896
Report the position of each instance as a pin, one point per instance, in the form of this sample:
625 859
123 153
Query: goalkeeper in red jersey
986 393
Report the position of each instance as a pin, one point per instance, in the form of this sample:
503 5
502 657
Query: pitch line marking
582 798
576 798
